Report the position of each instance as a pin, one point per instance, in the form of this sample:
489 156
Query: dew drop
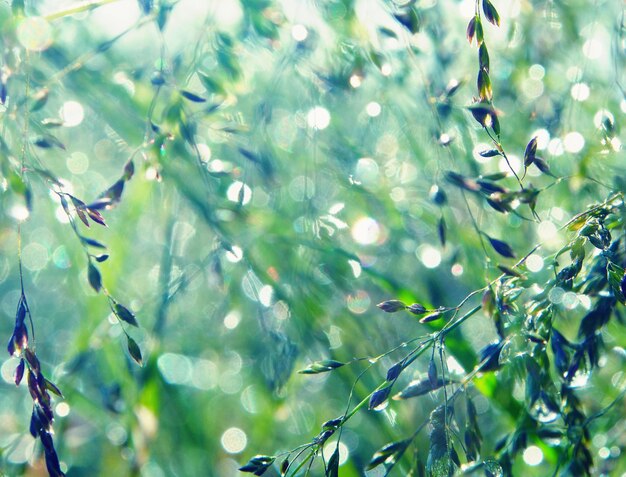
541 412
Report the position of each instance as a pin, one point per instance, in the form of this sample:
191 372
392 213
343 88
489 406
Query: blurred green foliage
268 172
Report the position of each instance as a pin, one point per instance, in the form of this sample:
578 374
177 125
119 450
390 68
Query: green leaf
420 387
388 453
391 306
491 13
471 30
483 84
258 464
125 314
210 84
483 58
416 309
135 352
332 470
439 463
432 372
93 275
432 316
321 366
50 386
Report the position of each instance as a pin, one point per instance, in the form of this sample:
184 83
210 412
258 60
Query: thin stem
503 153
84 7
304 461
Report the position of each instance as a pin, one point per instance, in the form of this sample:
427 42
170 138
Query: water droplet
580 378
542 412
494 468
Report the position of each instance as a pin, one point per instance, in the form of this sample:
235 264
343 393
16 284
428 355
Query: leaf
561 357
112 195
483 58
395 370
490 188
210 84
498 205
529 152
510 271
93 275
489 153
435 315
129 170
52 460
419 387
92 242
432 372
50 386
19 372
135 352
495 125
391 306
462 181
258 464
441 230
483 84
192 97
20 314
163 15
479 31
388 453
146 6
321 367
46 142
416 309
439 463
378 399
491 13
408 19
79 207
101 258
333 423
95 216
543 166
471 30
125 314
489 356
333 464
501 247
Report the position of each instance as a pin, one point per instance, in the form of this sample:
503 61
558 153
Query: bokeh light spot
366 231
234 440
34 33
533 456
